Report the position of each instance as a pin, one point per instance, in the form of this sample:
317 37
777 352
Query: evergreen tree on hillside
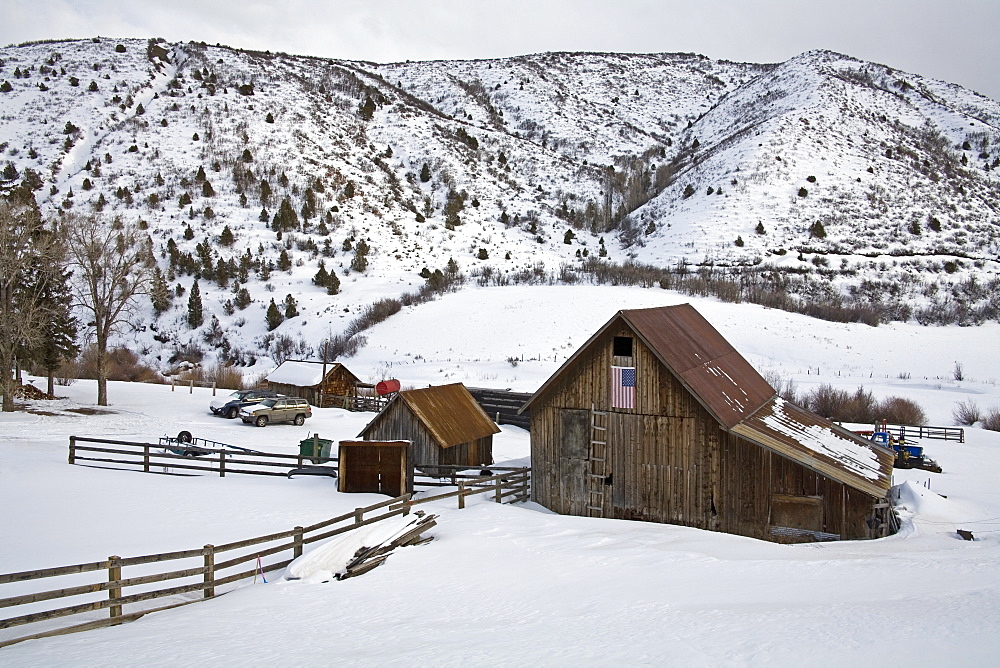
284 261
159 291
286 219
273 316
196 315
425 173
242 298
360 261
367 109
332 284
291 308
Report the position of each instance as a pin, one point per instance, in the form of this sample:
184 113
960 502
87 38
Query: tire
231 413
261 421
300 420
184 437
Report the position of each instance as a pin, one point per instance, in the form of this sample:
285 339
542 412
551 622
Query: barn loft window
623 346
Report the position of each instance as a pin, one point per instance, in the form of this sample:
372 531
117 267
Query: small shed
444 424
658 418
322 384
377 467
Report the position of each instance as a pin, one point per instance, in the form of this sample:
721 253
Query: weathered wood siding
337 389
669 460
751 477
398 422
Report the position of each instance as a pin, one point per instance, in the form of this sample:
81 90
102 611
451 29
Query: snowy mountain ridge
824 174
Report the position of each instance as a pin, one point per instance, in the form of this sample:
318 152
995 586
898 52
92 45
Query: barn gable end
321 384
444 424
701 440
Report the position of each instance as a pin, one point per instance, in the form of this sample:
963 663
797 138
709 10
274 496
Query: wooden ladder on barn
597 462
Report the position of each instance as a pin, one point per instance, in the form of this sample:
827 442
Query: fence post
222 464
498 495
461 495
191 385
213 388
114 591
209 571
145 458
359 515
72 449
173 382
297 549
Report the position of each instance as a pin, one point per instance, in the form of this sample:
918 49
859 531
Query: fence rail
211 570
505 482
938 433
262 554
906 431
166 458
503 405
191 384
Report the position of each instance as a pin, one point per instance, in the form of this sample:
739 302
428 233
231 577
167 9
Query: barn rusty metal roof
708 365
820 445
449 413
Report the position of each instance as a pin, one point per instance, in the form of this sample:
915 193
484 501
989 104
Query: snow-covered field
518 584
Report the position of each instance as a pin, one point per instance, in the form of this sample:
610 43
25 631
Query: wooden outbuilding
444 425
658 418
377 467
322 384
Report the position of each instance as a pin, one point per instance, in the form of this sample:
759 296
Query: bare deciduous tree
24 245
111 264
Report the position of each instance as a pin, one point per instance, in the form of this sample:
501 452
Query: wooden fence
504 482
198 571
167 458
503 405
191 384
916 432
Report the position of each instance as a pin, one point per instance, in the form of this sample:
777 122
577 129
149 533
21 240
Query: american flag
623 387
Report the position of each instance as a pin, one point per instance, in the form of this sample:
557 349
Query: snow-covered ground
515 583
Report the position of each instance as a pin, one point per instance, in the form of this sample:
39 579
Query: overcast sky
953 40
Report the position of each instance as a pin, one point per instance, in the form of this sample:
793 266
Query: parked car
282 409
230 406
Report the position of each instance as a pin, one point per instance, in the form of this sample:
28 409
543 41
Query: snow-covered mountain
824 177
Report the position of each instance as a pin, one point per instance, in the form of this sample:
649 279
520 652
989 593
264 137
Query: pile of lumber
368 558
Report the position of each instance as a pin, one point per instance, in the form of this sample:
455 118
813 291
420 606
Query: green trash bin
315 448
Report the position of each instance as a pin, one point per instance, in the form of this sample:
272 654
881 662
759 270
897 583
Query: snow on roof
300 374
820 445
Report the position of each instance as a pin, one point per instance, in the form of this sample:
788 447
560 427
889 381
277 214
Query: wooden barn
322 384
658 418
444 424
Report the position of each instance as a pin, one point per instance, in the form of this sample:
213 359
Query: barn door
390 471
373 469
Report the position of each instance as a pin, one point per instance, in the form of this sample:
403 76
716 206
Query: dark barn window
623 346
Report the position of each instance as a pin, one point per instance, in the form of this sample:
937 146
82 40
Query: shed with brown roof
444 424
657 417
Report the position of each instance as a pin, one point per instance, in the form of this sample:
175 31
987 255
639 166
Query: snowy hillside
516 584
824 178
